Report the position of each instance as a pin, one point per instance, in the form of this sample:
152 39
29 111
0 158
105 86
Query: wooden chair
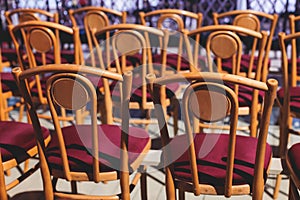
174 20
292 162
216 163
256 21
224 45
89 151
41 42
287 95
98 17
17 145
94 20
9 88
20 15
130 39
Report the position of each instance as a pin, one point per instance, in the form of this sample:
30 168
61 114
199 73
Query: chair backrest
254 20
175 21
206 100
38 43
89 17
114 44
20 15
225 42
294 71
290 79
77 15
126 40
68 87
41 42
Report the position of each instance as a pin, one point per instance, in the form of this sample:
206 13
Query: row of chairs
94 152
221 38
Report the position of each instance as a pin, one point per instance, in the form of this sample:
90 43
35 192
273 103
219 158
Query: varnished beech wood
28 14
44 38
138 36
178 18
198 82
69 74
22 15
290 78
224 42
251 19
94 17
13 163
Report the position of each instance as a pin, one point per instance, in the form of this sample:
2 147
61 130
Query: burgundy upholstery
245 95
294 98
136 95
293 156
211 152
227 65
78 142
172 61
16 139
298 65
9 54
8 82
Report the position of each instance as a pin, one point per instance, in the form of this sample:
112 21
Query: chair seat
8 82
298 65
172 60
294 98
211 152
137 92
293 157
245 95
16 138
79 146
245 60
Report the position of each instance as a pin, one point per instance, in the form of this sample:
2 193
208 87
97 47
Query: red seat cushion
294 98
8 82
245 60
293 156
245 95
78 141
16 139
172 60
211 153
298 65
137 93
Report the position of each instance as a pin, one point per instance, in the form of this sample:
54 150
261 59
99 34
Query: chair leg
170 185
293 191
144 191
26 165
175 107
277 186
3 194
74 187
181 194
21 112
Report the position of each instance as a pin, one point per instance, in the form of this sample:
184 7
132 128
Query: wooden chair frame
141 34
94 17
179 17
229 33
50 33
76 74
28 14
250 19
215 79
